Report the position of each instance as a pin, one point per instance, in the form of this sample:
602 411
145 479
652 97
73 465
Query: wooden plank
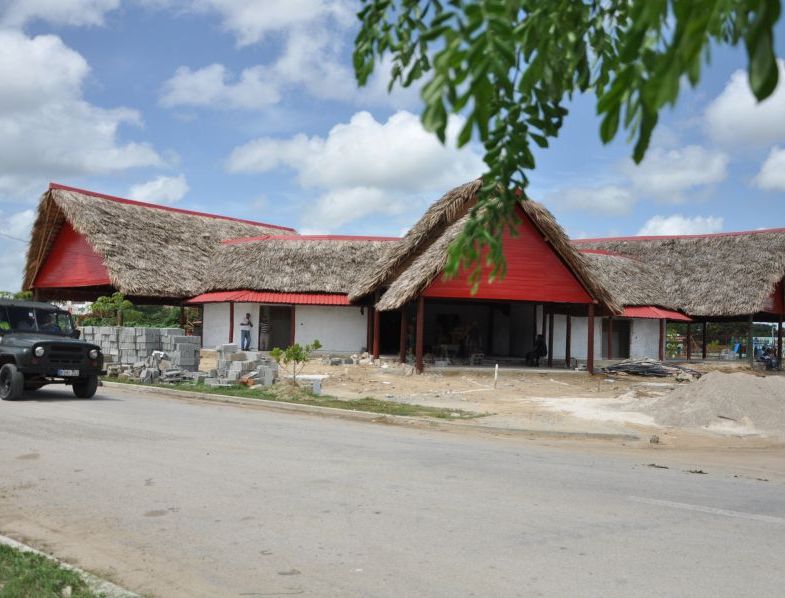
590 341
376 329
419 334
779 341
662 340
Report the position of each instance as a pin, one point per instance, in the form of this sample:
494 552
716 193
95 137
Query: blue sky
249 108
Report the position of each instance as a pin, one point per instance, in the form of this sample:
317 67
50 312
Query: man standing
245 333
264 333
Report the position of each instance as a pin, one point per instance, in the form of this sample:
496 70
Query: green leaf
610 124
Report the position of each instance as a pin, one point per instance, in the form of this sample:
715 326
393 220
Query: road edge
366 416
100 586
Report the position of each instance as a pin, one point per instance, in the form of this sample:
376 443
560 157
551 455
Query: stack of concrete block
233 366
129 345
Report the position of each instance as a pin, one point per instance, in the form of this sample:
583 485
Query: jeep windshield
31 319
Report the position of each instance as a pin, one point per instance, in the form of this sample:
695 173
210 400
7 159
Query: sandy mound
737 402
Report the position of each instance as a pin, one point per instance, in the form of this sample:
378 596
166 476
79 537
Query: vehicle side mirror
76 333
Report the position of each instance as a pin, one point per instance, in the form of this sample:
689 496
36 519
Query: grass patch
30 575
292 394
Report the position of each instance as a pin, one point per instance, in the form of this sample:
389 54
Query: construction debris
652 367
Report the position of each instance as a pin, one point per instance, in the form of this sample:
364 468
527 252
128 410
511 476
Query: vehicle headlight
93 354
39 351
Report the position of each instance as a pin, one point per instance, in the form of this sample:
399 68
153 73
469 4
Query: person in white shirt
245 333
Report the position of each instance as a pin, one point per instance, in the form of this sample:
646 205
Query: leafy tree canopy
511 66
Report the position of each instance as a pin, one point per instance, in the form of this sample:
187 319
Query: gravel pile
721 400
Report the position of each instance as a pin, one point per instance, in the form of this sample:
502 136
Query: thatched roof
719 275
294 264
420 257
148 250
630 282
453 205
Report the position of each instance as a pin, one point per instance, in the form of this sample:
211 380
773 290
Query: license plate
68 373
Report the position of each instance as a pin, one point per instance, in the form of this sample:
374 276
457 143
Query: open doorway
620 341
280 319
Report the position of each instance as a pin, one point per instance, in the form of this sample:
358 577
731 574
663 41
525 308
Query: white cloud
609 199
681 225
17 13
736 118
772 174
252 20
162 189
253 89
667 174
364 166
48 130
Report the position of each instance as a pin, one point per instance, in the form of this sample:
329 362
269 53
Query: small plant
294 357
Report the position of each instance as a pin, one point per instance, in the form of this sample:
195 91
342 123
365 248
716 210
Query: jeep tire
12 383
85 388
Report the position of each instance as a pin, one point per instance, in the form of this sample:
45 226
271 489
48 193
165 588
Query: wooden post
662 339
543 320
419 332
231 321
293 327
689 342
376 320
750 349
550 339
779 341
567 342
402 348
610 337
590 341
705 338
119 317
369 330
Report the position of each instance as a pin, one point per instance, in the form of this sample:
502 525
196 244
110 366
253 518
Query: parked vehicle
40 345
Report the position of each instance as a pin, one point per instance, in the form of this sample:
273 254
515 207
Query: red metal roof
268 297
657 313
308 238
142 204
739 233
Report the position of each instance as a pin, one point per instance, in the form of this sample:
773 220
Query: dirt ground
540 400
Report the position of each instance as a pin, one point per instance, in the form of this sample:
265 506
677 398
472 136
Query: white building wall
645 338
215 325
339 329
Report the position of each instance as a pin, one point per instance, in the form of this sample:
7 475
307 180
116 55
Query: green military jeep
39 345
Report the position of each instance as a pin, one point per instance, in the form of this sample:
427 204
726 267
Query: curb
366 416
100 586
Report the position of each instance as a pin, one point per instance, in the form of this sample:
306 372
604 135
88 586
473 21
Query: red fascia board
652 312
664 237
308 238
141 204
270 297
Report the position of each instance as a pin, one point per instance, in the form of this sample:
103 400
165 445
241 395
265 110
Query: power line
12 237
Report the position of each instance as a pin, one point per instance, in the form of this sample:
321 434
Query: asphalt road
178 498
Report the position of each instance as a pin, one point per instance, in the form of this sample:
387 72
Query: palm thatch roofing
148 250
294 264
409 266
717 275
630 282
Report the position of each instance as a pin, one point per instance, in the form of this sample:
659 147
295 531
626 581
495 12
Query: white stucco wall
645 338
339 329
215 327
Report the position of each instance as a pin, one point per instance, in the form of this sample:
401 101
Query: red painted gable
71 262
534 273
776 303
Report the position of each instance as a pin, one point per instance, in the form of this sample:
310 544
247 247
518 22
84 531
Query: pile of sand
737 402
